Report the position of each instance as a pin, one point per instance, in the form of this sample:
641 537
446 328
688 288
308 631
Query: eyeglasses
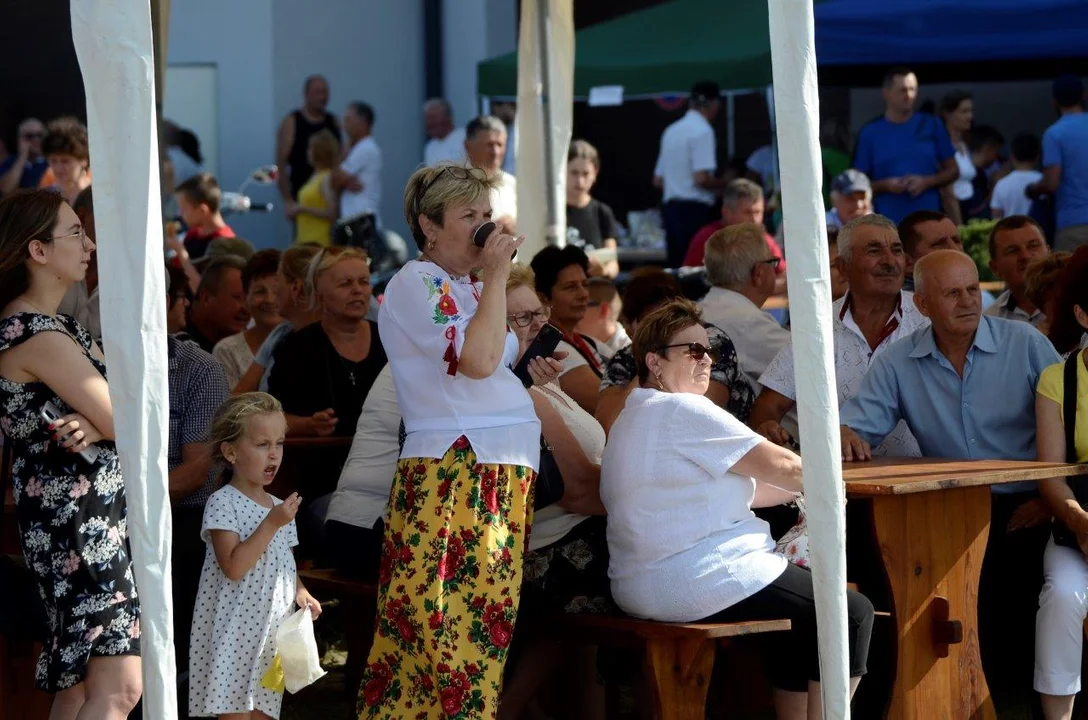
773 262
525 319
696 350
456 172
81 234
32 135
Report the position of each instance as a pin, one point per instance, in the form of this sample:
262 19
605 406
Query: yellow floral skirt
449 587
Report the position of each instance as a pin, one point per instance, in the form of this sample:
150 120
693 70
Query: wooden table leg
932 544
679 673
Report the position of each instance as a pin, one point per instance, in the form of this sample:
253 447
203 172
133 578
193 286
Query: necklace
40 311
350 366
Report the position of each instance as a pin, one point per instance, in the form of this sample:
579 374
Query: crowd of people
474 494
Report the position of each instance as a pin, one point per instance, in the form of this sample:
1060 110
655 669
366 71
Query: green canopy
665 48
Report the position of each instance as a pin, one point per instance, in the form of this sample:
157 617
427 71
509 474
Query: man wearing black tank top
294 135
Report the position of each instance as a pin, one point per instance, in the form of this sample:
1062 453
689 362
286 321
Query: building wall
236 36
473 31
369 50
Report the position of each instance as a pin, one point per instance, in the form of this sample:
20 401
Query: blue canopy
890 32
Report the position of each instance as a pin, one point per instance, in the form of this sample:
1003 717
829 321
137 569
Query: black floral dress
72 523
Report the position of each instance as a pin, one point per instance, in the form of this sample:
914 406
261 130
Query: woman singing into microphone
461 501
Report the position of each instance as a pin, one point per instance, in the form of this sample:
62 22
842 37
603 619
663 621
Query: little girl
249 585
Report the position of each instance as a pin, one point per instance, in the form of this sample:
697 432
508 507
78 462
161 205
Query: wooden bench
679 656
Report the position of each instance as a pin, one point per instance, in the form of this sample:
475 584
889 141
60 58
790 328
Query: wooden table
932 520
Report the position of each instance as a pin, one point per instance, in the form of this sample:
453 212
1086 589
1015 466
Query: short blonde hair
657 328
521 275
324 260
732 253
231 420
324 148
432 189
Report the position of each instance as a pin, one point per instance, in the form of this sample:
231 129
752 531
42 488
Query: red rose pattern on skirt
449 586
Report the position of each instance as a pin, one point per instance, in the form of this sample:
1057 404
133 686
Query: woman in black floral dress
71 511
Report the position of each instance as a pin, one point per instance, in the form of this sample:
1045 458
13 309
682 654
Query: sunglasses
525 319
32 136
696 350
456 172
773 262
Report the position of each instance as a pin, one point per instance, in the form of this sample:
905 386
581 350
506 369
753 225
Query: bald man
965 385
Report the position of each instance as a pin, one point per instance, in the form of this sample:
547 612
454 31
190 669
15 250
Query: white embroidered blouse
423 319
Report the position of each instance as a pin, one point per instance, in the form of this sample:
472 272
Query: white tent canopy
113 44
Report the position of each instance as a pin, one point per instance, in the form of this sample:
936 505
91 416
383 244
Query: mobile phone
543 346
482 233
50 413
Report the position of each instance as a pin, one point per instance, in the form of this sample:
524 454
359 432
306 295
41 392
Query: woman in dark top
323 372
590 223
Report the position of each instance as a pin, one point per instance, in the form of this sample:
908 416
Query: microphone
232 203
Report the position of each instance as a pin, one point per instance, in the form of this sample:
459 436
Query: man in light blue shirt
1065 165
965 386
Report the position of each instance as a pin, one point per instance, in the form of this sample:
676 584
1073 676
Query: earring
430 245
660 385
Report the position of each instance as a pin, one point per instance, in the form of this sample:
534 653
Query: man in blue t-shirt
907 155
1065 165
26 167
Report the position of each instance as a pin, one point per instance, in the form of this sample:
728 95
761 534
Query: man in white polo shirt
363 162
685 171
485 146
446 143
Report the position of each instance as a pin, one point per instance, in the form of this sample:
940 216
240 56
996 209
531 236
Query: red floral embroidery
447 306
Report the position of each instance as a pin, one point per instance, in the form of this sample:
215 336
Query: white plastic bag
297 649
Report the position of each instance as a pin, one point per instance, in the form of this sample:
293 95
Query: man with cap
907 155
685 170
851 197
1065 165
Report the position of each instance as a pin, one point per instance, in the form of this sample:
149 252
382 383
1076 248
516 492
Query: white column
113 44
797 109
545 117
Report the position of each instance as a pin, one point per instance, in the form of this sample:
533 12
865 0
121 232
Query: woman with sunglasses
649 289
450 578
679 479
69 503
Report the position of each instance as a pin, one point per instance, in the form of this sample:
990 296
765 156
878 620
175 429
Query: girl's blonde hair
324 148
432 189
231 420
326 259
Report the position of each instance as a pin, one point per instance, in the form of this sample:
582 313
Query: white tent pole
551 200
113 43
797 108
545 102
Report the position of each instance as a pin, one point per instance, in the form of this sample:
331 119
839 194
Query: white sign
606 95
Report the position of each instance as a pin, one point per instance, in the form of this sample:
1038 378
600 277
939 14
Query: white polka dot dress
235 623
